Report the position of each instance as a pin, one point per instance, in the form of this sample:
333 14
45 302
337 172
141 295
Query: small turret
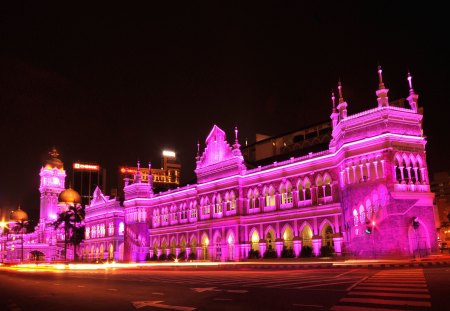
382 92
334 114
413 98
342 106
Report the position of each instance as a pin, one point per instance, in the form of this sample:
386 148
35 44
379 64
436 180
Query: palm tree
72 219
21 226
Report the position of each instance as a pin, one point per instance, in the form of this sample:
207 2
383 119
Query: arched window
269 196
217 202
307 185
369 209
319 184
206 207
355 217
251 201
286 193
233 200
256 198
300 193
362 214
327 184
227 202
307 236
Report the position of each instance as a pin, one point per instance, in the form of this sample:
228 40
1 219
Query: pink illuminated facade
367 195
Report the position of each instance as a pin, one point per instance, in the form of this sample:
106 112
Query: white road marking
397 289
326 284
357 283
158 304
205 289
339 275
389 294
388 302
237 291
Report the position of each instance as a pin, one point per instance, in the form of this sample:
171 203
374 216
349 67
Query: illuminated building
86 177
367 194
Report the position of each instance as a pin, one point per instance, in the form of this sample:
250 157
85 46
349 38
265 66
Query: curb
343 265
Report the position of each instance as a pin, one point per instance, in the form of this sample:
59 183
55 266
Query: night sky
116 84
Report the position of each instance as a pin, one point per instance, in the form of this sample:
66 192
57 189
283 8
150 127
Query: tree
71 219
19 227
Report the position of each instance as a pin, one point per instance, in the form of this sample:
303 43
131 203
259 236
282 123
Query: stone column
177 251
279 247
188 251
159 252
297 242
262 247
316 243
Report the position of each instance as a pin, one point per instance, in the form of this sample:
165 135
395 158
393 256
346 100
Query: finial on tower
236 135
333 98
197 157
410 82
341 98
413 98
380 77
139 166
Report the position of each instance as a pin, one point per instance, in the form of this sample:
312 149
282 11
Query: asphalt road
185 290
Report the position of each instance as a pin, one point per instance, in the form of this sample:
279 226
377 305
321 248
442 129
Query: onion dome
19 215
69 196
53 161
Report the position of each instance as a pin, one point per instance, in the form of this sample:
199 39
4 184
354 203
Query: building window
111 228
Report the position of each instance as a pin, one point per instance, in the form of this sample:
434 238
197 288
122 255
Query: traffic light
368 230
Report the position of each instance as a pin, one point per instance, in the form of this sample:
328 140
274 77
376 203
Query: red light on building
86 167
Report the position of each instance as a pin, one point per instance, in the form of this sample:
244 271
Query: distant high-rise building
164 178
86 177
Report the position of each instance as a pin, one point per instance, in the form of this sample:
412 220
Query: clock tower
52 183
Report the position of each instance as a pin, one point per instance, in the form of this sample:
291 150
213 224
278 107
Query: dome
53 161
19 215
69 196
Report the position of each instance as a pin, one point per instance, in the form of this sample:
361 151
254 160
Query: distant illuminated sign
167 153
86 167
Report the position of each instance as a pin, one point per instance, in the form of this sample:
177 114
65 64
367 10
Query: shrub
153 258
270 253
171 257
326 251
162 257
254 254
306 251
192 256
182 255
287 253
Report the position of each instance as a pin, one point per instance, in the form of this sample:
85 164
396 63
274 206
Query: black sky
116 84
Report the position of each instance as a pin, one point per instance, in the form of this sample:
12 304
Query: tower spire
382 92
333 98
341 98
334 114
413 98
380 77
342 106
138 176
